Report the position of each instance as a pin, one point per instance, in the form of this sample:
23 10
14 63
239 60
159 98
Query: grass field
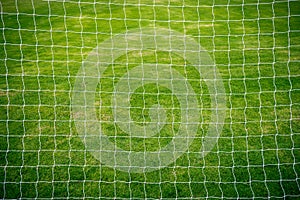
255 46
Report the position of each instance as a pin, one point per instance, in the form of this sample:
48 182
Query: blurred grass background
255 45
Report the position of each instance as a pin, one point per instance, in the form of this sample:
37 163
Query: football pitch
240 111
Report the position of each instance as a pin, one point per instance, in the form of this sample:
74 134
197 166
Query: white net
149 99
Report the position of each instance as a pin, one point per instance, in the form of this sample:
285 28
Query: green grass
257 154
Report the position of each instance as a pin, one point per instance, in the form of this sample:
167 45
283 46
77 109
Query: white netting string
149 99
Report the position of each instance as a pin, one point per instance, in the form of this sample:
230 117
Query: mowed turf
256 48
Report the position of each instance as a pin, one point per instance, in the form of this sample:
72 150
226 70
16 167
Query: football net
149 99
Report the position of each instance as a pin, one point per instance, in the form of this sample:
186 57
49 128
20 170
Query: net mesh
149 99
